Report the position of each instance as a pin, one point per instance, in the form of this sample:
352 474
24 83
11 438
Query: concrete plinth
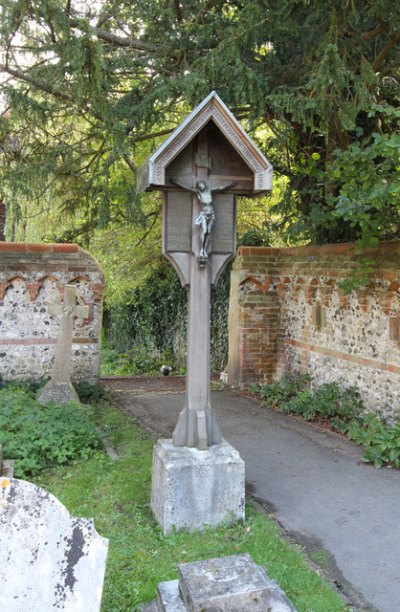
192 489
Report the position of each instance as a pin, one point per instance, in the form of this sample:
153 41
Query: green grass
117 496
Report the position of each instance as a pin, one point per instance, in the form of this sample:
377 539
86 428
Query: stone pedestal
227 584
192 489
57 393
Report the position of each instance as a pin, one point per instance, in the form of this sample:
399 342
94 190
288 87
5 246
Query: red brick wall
288 313
30 276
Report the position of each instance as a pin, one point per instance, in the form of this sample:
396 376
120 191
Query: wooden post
197 426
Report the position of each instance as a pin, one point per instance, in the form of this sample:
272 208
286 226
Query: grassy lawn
117 495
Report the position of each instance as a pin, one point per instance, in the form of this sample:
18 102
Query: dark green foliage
137 362
27 384
89 393
142 333
292 394
279 394
38 437
381 442
329 401
342 408
150 329
219 321
321 79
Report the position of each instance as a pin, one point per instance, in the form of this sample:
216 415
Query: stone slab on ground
226 584
48 560
169 597
192 489
230 584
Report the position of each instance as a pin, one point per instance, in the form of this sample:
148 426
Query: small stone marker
6 465
48 560
227 584
59 388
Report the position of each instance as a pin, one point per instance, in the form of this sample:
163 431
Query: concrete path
346 514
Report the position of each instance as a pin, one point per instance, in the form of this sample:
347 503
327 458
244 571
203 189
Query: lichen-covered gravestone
59 389
48 560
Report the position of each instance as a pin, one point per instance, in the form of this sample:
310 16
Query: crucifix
201 167
197 477
59 388
197 425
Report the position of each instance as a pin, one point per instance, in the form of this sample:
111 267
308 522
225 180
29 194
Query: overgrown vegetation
38 437
342 408
148 328
117 495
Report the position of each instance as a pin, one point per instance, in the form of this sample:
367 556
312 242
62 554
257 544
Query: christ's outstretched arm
175 182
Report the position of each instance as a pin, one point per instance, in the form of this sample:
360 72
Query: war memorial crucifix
201 167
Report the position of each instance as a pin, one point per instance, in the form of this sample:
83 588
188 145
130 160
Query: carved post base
197 428
57 392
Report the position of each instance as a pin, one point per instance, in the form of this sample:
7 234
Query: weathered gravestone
59 389
197 478
48 560
227 584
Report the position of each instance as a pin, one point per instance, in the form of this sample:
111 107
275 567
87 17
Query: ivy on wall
151 324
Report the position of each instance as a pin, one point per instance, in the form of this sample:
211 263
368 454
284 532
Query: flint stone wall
30 276
289 314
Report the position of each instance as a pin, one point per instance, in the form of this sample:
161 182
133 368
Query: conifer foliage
91 88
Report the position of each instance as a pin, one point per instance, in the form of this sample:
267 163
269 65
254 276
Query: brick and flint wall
30 276
288 314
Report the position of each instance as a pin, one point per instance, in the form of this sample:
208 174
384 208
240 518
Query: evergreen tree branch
119 41
130 164
40 85
178 11
393 40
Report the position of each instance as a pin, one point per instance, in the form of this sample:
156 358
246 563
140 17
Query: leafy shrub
277 395
138 361
38 437
329 401
89 393
344 410
381 443
27 384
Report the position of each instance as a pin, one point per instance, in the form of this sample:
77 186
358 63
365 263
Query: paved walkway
346 512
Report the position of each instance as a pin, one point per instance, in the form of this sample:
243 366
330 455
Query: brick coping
321 249
29 247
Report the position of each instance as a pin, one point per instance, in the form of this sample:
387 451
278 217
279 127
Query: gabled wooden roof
152 174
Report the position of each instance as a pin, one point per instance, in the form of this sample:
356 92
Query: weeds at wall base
341 408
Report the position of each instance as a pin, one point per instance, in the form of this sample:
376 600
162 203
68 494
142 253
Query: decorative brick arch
31 331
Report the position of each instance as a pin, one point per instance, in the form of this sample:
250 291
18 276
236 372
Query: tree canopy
91 88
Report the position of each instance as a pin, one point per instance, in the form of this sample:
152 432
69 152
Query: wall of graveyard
289 314
30 276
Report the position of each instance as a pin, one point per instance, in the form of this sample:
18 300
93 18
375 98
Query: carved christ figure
206 218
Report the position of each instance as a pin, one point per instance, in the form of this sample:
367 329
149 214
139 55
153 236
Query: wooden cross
210 158
197 425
